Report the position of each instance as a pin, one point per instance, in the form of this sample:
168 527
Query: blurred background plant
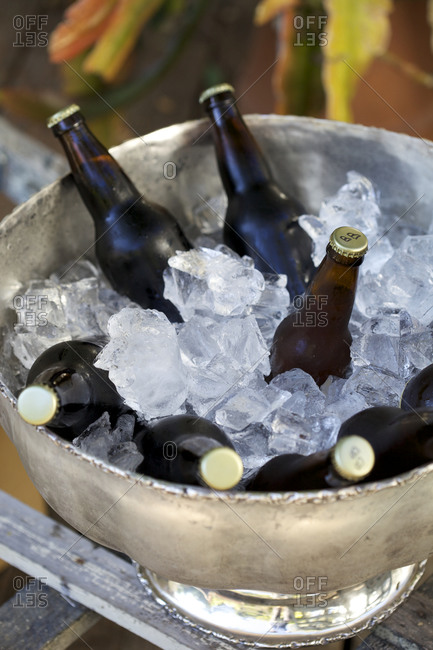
111 53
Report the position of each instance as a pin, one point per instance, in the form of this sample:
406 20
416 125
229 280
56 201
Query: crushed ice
214 363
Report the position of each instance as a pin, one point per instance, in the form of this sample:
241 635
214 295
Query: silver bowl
265 546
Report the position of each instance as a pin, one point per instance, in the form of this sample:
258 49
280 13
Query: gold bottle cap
349 242
215 90
353 457
37 404
221 468
61 115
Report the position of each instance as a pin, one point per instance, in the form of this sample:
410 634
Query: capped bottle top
221 468
61 115
353 457
38 404
215 90
349 242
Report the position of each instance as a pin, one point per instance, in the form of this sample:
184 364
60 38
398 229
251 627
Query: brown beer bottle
418 392
401 440
349 461
261 221
66 391
134 237
189 449
315 336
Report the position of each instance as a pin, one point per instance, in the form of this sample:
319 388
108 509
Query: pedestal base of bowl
270 620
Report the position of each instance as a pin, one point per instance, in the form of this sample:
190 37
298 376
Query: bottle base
270 620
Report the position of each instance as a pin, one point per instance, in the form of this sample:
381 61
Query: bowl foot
269 620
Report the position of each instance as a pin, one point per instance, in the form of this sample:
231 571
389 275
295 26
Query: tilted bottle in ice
349 461
418 392
401 440
261 221
134 236
66 392
315 336
189 449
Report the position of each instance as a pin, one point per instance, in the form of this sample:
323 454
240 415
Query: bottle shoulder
75 356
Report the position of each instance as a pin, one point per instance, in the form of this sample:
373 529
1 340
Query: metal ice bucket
279 543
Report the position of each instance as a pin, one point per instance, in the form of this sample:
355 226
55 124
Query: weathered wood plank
93 576
410 627
39 617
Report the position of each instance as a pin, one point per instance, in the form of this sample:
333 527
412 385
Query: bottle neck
331 293
99 178
240 160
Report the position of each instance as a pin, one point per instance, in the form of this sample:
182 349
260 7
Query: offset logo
30 592
309 31
30 30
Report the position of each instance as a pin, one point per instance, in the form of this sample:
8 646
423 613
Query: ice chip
211 282
124 429
292 433
248 406
125 455
355 204
221 356
404 281
379 388
74 303
143 361
306 398
96 439
344 407
272 306
252 445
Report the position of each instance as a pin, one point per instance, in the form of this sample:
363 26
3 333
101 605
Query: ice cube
252 445
124 429
306 398
247 406
220 356
69 305
346 406
405 281
378 387
211 282
380 250
125 455
143 361
355 204
292 433
96 439
272 305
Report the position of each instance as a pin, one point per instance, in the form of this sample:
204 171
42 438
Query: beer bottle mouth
348 242
62 115
37 404
221 468
215 90
353 458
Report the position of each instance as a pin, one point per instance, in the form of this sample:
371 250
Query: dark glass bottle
189 449
134 237
315 336
418 392
66 392
401 440
261 221
349 461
